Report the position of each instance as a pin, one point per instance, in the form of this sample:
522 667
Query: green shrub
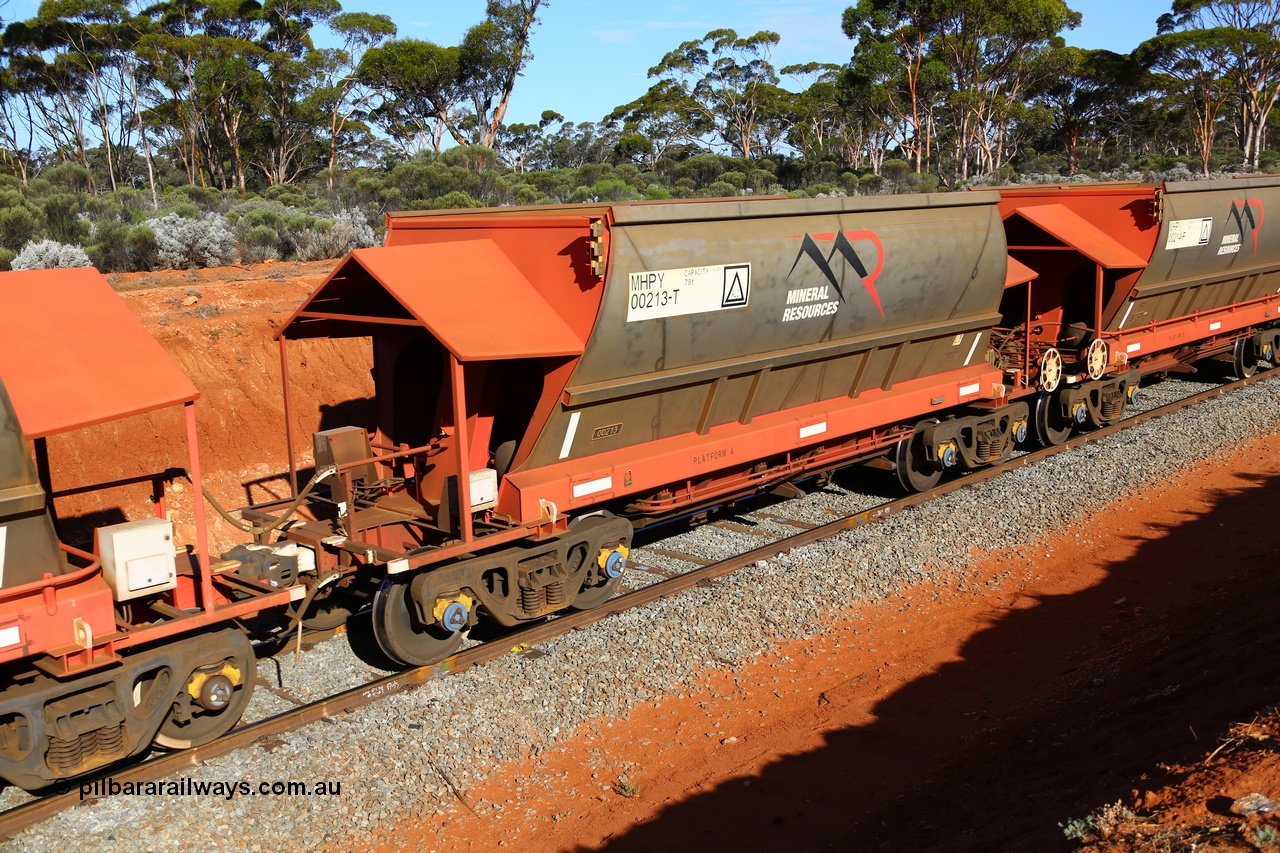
109 250
454 200
143 251
721 188
286 195
184 209
63 221
703 169
526 194
19 224
206 198
759 180
69 176
260 243
612 189
6 259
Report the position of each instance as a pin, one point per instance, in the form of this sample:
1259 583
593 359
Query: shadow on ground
1059 704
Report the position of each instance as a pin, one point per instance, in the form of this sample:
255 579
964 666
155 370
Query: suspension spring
65 754
533 600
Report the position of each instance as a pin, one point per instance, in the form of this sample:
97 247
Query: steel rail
27 814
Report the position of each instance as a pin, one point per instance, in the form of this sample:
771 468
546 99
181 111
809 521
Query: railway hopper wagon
128 641
1127 280
548 378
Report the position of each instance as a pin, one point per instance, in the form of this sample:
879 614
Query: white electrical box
138 557
484 488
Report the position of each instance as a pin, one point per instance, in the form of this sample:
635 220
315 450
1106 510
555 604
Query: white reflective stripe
569 434
973 346
1213 327
1133 348
10 637
813 429
3 532
966 390
1125 318
583 489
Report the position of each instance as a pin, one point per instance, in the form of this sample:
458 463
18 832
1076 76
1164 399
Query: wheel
915 472
1096 358
223 684
597 586
1244 361
1052 428
590 597
1050 370
402 636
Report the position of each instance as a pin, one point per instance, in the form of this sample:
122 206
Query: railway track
669 583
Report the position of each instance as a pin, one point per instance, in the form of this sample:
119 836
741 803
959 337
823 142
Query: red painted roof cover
72 354
467 293
1072 229
1018 272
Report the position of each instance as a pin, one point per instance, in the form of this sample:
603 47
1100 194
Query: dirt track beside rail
1102 669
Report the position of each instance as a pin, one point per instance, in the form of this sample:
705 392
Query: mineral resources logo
1243 214
806 302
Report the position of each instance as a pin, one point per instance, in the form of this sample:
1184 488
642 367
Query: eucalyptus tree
90 40
830 117
292 71
1087 94
205 86
419 92
493 54
664 117
1197 69
723 82
893 57
16 122
996 51
1249 32
53 89
873 112
428 90
344 95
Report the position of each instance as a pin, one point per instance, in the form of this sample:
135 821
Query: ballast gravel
415 753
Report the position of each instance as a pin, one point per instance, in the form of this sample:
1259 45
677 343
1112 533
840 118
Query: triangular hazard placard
735 293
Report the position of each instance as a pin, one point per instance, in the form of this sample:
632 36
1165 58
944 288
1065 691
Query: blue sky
591 56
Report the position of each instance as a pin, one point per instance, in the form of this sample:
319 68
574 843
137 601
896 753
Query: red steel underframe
1199 327
645 469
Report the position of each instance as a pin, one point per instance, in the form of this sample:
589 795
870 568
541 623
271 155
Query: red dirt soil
977 715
